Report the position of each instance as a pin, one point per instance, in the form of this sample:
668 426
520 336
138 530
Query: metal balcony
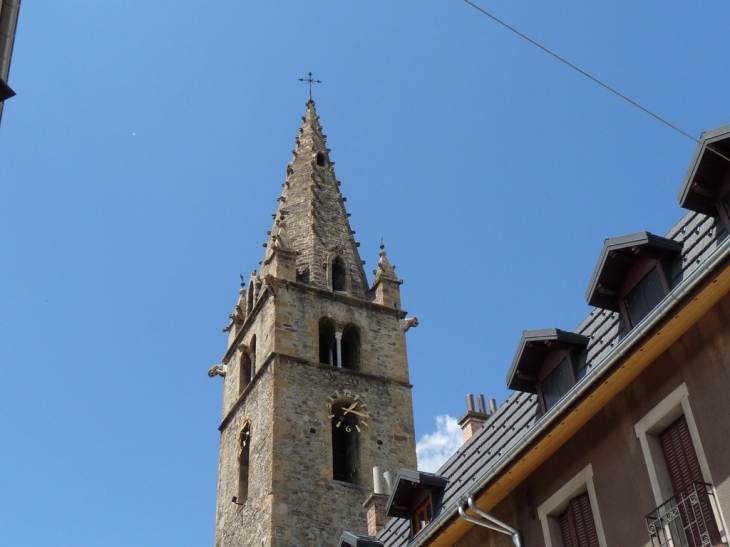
685 520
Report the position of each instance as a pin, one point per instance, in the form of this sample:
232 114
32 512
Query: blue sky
140 164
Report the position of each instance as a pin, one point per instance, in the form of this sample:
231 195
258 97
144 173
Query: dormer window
706 187
416 496
422 516
632 275
548 362
644 297
557 382
321 159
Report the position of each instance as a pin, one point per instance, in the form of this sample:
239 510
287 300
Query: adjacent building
618 433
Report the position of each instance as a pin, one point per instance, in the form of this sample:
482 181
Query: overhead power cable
596 80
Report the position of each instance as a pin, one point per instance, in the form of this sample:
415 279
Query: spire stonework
313 210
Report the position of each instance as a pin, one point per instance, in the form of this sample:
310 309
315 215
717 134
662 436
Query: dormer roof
534 347
348 539
409 485
618 255
707 172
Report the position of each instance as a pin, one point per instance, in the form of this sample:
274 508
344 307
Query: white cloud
433 449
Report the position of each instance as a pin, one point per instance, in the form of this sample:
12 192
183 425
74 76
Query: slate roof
489 448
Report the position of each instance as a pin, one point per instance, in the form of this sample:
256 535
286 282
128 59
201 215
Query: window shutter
682 463
584 525
568 530
576 524
684 469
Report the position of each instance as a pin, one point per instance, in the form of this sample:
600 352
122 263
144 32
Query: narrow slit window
245 372
253 356
244 452
339 275
345 447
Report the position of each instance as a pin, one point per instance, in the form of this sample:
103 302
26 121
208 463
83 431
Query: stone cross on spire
310 81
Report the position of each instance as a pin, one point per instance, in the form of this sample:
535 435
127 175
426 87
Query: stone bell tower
316 389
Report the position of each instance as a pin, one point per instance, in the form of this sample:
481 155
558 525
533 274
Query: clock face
347 411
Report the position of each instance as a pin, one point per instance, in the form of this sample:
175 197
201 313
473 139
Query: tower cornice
231 413
314 291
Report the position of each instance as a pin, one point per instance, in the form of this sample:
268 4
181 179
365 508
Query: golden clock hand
355 412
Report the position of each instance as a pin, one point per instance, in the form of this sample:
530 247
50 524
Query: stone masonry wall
309 507
262 327
382 340
250 524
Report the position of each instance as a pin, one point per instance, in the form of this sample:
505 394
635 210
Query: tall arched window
244 452
339 275
327 345
351 347
253 356
249 297
245 372
345 446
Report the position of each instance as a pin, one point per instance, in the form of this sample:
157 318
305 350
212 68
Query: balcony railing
686 519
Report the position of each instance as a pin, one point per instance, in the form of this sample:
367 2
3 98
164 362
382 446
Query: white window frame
556 505
649 428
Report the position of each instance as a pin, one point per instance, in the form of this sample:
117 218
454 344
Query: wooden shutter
684 469
576 524
682 463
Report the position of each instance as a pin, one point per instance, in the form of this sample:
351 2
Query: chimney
376 502
473 419
492 406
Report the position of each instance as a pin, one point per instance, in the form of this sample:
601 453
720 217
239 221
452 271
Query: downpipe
490 522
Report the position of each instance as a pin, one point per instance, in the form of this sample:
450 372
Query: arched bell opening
351 347
327 342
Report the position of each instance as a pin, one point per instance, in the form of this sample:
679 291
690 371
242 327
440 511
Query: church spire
311 223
